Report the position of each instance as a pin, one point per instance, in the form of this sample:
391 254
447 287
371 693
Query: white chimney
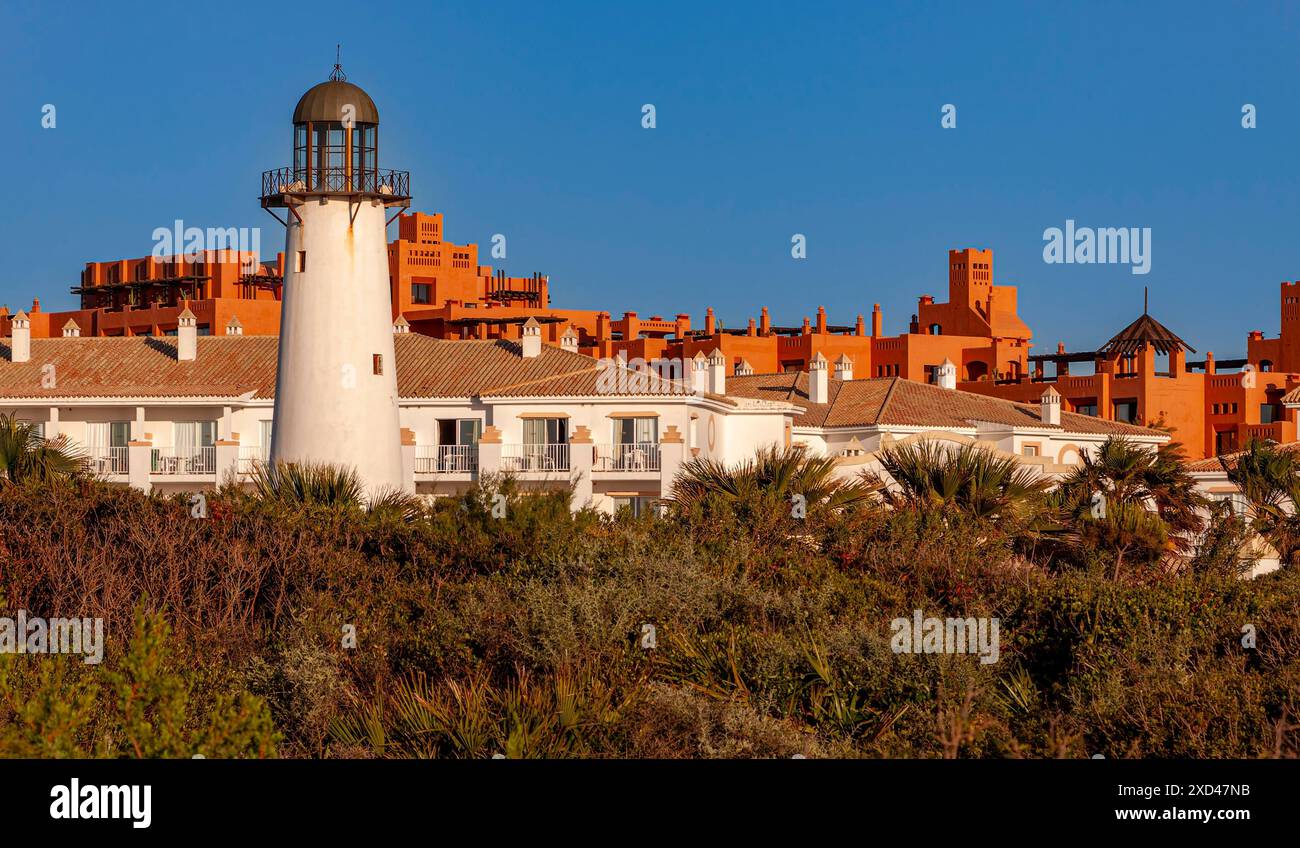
20 342
401 325
819 389
744 369
234 327
1049 407
945 376
71 330
844 368
700 373
717 372
187 336
569 341
531 342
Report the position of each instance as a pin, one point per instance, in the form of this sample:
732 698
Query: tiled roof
1215 463
230 366
1145 331
1292 396
897 401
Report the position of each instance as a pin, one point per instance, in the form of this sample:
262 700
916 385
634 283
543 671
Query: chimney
700 373
187 336
844 368
1049 407
710 323
859 326
401 325
530 341
819 389
717 372
569 341
20 341
875 321
71 330
821 320
1209 362
764 323
234 327
945 376
743 368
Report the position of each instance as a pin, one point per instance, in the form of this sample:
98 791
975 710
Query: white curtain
97 434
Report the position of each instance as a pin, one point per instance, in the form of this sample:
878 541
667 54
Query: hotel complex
180 372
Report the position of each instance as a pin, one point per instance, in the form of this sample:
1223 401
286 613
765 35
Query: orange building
1142 376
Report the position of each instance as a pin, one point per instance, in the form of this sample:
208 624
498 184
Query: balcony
184 462
251 456
446 459
627 458
282 184
535 459
107 461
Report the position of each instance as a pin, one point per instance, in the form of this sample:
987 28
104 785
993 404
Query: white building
853 420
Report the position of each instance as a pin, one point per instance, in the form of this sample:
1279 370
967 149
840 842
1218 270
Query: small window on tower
378 363
300 263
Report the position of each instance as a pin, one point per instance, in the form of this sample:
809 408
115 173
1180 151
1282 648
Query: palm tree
308 484
774 479
967 478
1269 480
27 455
1141 488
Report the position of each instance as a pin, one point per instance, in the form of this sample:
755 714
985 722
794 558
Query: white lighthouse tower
336 388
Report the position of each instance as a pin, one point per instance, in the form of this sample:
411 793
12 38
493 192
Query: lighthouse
336 385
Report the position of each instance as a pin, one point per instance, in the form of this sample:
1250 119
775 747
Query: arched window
936 330
976 370
1266 365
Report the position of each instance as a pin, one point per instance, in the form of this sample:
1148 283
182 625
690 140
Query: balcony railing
107 460
446 459
182 461
534 458
639 456
251 456
288 181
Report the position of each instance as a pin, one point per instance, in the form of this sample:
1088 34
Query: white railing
639 456
188 460
251 456
446 459
107 460
526 458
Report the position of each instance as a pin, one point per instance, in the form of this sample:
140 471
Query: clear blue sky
773 119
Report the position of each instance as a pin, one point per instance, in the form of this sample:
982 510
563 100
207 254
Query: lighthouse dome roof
326 102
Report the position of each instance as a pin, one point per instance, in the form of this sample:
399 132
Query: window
546 431
1126 411
1029 450
1085 407
1265 365
300 261
636 431
459 431
264 430
1267 413
420 293
636 505
377 363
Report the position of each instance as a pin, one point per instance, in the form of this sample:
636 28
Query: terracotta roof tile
231 366
894 400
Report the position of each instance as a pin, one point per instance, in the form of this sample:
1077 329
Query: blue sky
772 119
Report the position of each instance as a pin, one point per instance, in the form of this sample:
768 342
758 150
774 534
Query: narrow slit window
300 264
378 363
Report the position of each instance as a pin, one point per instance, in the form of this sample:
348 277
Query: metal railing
384 181
251 456
446 459
638 456
180 461
104 459
537 457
